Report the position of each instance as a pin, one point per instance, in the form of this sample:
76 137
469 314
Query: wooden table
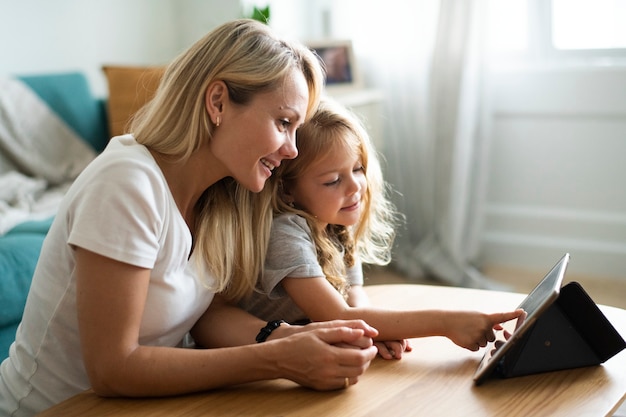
433 380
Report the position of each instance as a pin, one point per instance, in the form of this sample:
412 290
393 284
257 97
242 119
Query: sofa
69 96
94 120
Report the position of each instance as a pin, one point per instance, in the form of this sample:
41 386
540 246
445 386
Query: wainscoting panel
535 238
557 171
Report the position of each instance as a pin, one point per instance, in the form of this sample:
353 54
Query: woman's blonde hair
232 223
333 128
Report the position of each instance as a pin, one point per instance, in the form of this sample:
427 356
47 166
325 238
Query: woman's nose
289 149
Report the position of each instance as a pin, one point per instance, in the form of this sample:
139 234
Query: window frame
540 49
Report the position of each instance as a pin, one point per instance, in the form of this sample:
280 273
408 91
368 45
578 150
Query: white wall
39 36
557 170
556 166
196 17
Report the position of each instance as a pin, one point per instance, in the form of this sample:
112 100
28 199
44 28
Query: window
589 24
548 30
508 25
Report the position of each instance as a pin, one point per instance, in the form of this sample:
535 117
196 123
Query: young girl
331 214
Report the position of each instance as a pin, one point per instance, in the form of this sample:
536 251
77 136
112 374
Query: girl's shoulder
290 220
290 224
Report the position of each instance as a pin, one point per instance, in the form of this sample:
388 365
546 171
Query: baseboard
537 253
533 238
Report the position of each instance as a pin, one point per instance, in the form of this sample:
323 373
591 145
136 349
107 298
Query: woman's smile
268 164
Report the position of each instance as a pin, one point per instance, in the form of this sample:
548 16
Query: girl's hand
472 330
393 349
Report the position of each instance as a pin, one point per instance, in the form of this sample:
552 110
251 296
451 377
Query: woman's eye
284 124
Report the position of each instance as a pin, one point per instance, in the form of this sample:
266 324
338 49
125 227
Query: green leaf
262 15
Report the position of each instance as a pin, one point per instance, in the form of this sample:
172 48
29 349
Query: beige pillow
129 89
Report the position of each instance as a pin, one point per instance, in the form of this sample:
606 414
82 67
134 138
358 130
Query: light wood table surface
435 379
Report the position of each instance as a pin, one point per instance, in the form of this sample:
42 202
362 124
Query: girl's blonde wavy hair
232 224
334 129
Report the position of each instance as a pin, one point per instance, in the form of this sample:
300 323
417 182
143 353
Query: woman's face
254 138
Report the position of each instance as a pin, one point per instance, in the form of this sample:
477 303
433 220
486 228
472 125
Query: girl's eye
331 183
359 168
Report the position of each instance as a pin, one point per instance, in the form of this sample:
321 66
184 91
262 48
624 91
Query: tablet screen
539 299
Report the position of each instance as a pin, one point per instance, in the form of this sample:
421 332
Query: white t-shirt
122 208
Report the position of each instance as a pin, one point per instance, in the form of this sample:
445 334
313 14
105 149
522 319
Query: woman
162 220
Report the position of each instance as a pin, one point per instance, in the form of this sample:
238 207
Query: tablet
539 299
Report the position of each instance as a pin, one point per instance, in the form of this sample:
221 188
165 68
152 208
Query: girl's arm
388 349
471 330
110 300
215 328
357 297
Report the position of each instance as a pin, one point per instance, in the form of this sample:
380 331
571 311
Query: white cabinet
368 105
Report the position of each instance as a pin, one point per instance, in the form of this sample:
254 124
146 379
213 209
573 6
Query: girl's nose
354 185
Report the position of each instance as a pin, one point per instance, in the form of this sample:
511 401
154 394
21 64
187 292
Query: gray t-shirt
291 253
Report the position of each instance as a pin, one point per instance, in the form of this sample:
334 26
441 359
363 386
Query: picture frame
337 56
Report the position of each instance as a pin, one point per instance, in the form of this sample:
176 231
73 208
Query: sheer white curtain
426 57
457 134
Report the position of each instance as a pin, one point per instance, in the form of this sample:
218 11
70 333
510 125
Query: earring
217 121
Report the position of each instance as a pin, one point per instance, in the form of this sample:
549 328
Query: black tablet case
571 333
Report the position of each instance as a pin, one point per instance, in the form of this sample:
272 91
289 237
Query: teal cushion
7 336
19 253
33 226
69 96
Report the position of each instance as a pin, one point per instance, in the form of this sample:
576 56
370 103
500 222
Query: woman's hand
326 355
369 332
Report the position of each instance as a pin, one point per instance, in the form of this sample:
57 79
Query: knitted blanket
39 156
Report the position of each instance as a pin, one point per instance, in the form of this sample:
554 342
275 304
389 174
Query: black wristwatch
268 329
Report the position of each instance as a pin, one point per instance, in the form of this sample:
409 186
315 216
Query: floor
601 290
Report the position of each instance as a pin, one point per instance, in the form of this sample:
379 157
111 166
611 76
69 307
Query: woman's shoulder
122 172
124 160
125 148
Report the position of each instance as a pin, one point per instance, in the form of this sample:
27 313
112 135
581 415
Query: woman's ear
214 99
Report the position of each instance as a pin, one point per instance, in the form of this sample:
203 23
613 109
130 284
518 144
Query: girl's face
332 189
254 138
